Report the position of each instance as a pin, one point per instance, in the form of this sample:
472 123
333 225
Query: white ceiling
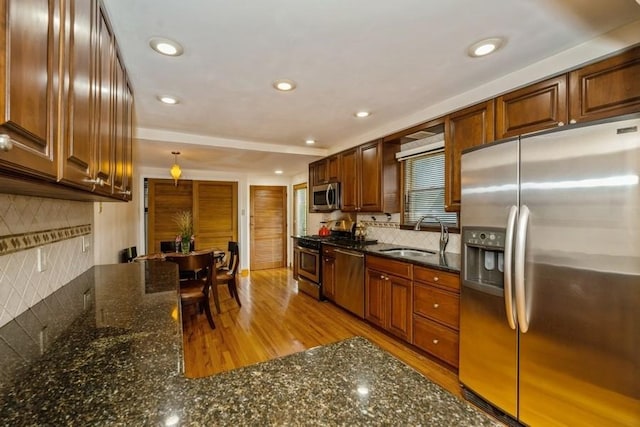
394 58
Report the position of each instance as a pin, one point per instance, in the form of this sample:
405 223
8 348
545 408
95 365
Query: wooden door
165 199
30 39
76 164
606 88
370 177
464 129
349 170
215 213
375 296
400 307
536 107
268 227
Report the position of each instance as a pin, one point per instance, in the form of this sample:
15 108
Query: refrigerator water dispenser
484 258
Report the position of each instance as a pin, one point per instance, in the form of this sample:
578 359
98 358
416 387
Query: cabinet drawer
438 340
436 304
389 266
328 250
438 278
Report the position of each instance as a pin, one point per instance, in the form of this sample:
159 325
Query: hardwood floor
275 321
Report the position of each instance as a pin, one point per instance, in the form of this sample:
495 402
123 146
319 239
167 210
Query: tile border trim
23 241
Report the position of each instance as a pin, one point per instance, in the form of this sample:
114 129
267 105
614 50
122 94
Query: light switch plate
42 259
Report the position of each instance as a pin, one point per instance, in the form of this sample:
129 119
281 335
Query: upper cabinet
325 170
536 107
606 88
464 129
371 178
74 127
30 36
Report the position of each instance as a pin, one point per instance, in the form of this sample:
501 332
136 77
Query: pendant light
175 171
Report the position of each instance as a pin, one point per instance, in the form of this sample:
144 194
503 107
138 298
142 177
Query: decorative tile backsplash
386 229
57 228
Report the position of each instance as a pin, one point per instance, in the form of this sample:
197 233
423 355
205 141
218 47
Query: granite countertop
121 363
449 262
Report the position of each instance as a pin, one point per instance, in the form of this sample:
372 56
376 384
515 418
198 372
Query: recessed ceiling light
166 99
362 114
485 47
165 46
284 85
278 172
310 141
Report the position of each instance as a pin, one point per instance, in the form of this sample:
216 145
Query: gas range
315 241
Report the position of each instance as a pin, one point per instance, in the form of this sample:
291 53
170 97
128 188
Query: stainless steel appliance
326 197
550 299
307 254
349 292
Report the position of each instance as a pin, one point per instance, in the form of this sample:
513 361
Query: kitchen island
120 362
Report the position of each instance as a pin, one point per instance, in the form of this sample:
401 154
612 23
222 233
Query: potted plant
184 221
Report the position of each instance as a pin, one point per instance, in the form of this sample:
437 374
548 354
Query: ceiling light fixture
278 172
284 85
485 47
168 99
175 170
361 114
166 46
310 141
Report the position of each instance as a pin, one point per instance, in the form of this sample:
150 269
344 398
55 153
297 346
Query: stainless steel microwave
326 197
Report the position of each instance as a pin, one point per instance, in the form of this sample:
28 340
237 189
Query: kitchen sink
407 252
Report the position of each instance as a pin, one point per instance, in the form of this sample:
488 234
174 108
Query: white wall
116 228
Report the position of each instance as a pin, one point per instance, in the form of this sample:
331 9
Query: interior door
215 213
268 227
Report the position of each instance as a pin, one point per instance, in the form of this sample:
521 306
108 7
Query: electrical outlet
42 259
86 243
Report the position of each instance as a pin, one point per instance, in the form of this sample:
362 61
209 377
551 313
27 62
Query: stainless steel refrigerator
550 298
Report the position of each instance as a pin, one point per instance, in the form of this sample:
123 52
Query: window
424 189
300 209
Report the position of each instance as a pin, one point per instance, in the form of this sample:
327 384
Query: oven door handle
307 250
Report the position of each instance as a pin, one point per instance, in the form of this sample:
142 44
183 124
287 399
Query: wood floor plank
274 321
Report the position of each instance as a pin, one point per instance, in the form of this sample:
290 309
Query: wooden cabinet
388 296
68 104
607 88
464 129
436 313
533 108
30 36
328 272
371 178
322 172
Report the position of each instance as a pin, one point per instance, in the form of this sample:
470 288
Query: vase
185 244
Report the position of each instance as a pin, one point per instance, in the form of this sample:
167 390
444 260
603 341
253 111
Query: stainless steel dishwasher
349 292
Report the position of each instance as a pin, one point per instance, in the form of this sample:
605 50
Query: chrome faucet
444 231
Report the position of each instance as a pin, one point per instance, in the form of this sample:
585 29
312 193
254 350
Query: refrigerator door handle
521 242
508 274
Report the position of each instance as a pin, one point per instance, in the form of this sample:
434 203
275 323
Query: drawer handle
435 341
436 305
436 278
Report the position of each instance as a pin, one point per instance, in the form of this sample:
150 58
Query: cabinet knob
5 142
436 305
436 278
435 341
573 121
381 277
560 123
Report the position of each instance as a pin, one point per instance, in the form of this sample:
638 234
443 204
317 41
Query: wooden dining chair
196 291
227 276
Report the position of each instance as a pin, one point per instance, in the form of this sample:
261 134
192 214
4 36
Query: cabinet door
374 307
120 120
333 168
30 38
329 277
350 187
76 162
436 339
370 177
400 312
104 101
436 304
607 88
536 107
464 129
128 144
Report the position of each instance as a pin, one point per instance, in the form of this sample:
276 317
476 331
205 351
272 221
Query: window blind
424 189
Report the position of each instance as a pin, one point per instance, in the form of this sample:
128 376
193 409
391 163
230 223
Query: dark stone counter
120 363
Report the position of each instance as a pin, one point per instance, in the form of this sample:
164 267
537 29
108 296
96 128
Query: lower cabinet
328 273
388 297
436 313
